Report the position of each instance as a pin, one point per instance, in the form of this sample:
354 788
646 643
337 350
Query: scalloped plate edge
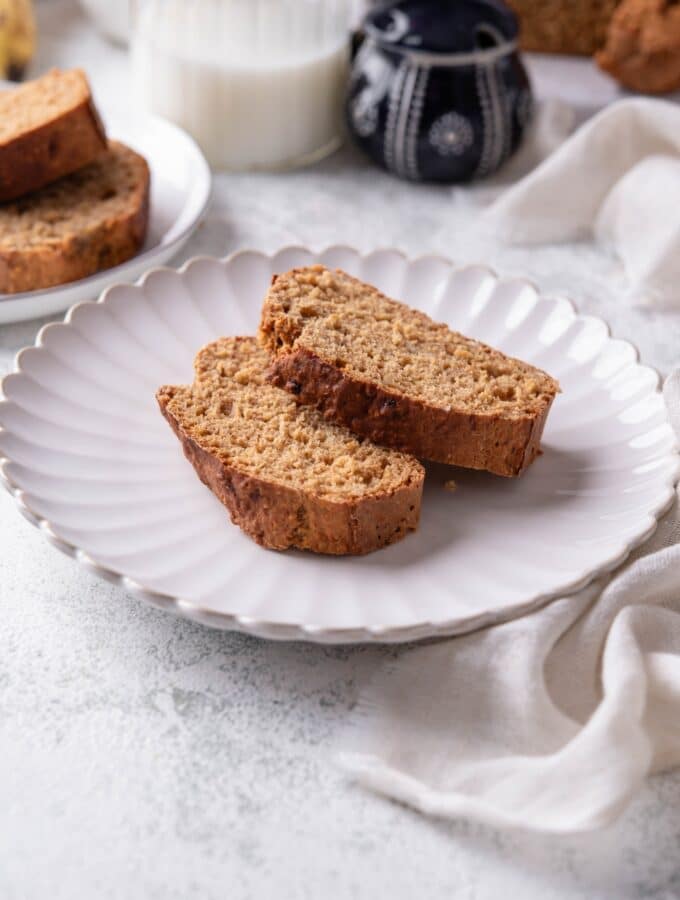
320 634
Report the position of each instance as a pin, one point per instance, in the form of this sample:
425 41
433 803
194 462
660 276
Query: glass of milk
258 83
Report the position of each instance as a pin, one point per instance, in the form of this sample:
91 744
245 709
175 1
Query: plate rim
203 181
376 634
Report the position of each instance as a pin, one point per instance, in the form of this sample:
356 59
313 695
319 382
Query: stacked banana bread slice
312 437
71 202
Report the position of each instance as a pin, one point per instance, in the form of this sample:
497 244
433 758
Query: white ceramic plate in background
180 191
91 462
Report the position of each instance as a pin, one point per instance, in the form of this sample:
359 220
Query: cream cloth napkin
550 722
616 179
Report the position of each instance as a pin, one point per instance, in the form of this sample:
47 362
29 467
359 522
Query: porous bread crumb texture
288 477
371 338
238 417
75 204
40 101
90 220
563 26
394 376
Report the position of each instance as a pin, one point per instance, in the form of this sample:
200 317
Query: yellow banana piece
17 37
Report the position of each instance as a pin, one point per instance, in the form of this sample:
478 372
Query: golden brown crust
43 154
106 242
425 415
279 517
476 441
642 50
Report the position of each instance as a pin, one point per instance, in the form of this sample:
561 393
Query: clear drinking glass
258 83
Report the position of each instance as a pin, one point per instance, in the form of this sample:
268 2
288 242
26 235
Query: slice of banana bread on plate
391 374
90 220
288 477
48 128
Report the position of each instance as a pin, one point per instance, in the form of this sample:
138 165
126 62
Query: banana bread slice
287 477
48 128
563 26
90 220
393 375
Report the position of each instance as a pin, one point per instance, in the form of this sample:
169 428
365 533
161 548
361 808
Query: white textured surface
145 757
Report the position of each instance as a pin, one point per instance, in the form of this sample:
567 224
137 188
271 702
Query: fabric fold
550 722
615 180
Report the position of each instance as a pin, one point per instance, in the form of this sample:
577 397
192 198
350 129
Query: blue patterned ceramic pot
438 91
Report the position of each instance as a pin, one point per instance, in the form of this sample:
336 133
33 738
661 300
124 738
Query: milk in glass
258 83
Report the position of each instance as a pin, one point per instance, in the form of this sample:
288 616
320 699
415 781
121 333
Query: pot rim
505 41
481 56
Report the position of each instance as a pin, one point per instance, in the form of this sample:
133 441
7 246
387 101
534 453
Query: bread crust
501 443
503 446
79 255
279 517
42 155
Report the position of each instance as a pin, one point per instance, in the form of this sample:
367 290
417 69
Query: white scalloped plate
91 462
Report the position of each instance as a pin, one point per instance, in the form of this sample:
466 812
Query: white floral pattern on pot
451 134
